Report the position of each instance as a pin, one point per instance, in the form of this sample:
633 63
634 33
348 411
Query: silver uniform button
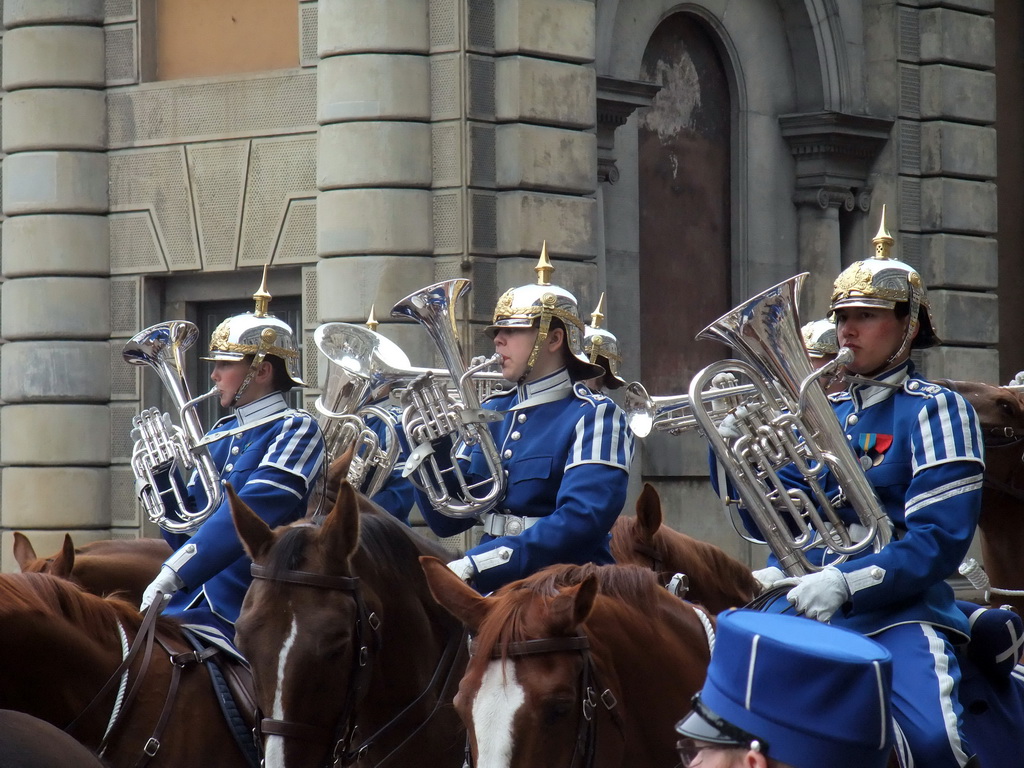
521 418
507 454
234 450
876 573
913 386
852 419
229 467
514 436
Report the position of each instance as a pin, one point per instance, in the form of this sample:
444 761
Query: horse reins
345 730
586 735
143 643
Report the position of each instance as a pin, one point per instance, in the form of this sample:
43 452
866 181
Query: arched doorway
684 158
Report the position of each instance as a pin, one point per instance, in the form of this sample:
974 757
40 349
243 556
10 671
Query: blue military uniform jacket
272 467
396 495
922 450
567 452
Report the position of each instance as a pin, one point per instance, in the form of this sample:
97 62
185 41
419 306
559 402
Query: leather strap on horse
345 730
586 737
445 665
143 642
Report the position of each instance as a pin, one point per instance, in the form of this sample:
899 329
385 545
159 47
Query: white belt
499 524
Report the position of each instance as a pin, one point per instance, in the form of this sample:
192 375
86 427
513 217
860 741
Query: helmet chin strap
267 339
542 335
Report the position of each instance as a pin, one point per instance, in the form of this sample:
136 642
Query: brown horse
352 659
575 665
87 664
123 567
29 742
716 580
1001 415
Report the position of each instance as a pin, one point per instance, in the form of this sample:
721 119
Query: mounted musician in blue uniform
920 449
566 450
269 452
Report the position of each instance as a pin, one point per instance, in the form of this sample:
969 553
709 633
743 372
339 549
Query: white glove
819 595
729 427
167 581
1017 380
463 568
767 577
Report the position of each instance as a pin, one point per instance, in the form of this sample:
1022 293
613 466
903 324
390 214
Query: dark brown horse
352 659
716 580
123 567
64 654
575 666
28 742
1001 415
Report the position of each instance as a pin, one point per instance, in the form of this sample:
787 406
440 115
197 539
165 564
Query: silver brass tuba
363 368
788 420
431 413
160 444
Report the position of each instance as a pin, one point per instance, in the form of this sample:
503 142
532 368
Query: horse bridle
346 731
586 735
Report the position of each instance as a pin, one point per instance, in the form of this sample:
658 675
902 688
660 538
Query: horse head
117 567
716 580
343 638
1001 417
574 666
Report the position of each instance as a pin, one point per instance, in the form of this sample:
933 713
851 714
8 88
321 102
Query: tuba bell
365 372
161 445
432 414
786 420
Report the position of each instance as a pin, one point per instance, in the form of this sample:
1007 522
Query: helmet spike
883 240
371 321
598 314
262 296
544 268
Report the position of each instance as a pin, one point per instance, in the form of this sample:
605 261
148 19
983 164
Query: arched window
684 182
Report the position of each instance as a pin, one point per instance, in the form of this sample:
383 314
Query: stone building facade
679 156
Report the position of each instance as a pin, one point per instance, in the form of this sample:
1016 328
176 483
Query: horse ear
340 532
24 552
574 604
648 511
254 533
64 561
453 594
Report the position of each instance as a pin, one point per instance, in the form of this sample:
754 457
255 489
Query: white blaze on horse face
498 699
274 745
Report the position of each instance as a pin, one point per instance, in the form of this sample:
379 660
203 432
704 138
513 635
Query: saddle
233 686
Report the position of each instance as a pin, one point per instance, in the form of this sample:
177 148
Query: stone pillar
55 367
819 244
374 208
833 152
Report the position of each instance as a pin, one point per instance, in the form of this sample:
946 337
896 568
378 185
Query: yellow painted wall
202 38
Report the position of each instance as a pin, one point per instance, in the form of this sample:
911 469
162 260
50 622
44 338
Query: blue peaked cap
811 694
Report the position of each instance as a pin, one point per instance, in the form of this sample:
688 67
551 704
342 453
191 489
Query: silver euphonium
363 368
431 413
161 446
367 371
787 420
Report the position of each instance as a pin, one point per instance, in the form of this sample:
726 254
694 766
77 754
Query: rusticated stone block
397 26
53 57
55 182
61 497
56 308
373 87
549 92
39 119
527 219
53 435
546 159
554 29
374 221
373 154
